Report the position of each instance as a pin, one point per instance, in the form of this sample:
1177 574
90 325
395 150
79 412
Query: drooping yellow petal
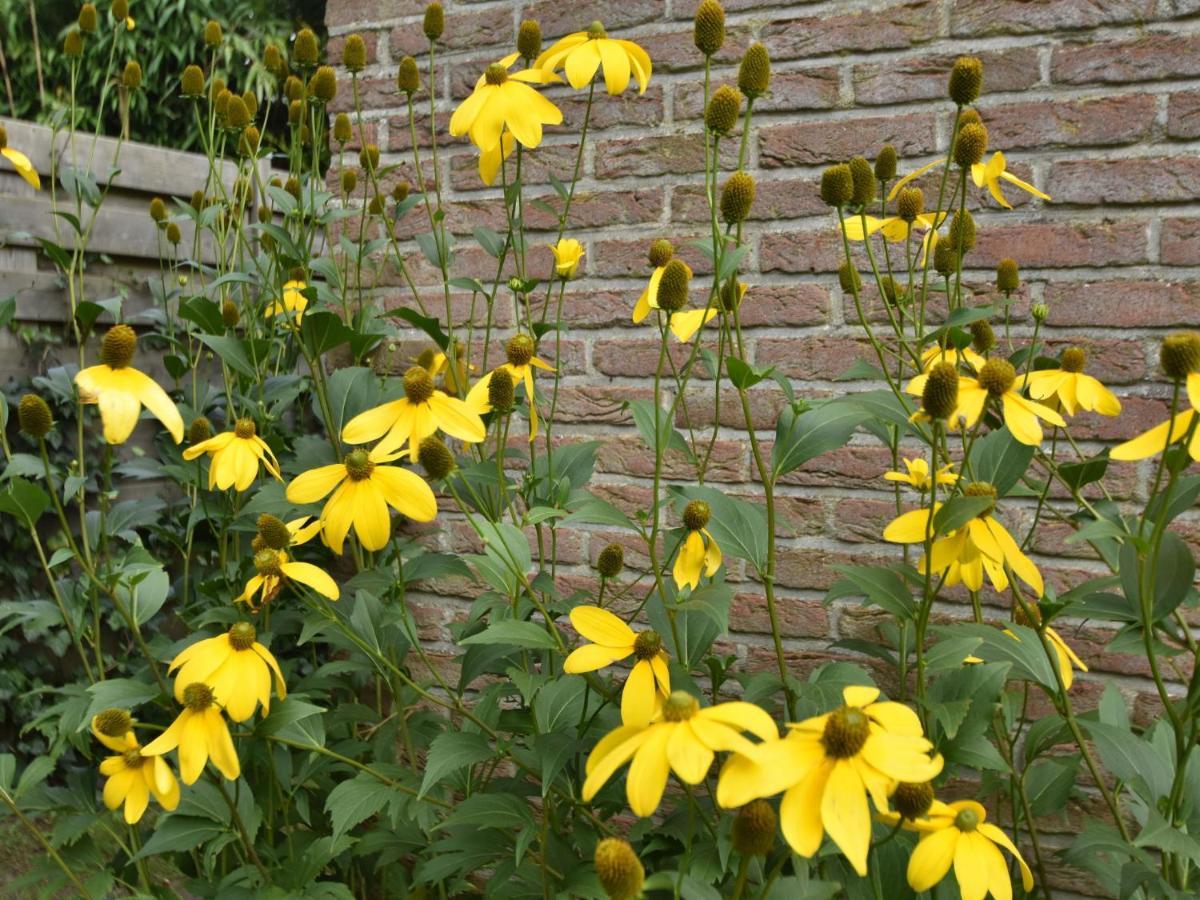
997 836
313 576
647 778
602 627
1155 440
161 406
899 185
688 757
591 657
846 816
800 811
311 486
638 696
24 167
406 492
932 858
910 527
970 866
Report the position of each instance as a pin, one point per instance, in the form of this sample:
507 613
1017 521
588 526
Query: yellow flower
700 552
992 171
134 776
293 300
491 160
982 545
582 53
894 228
520 365
201 734
827 766
1068 661
682 739
567 253
274 567
997 381
237 668
235 457
687 322
419 413
130 24
1073 389
958 834
612 640
1158 438
503 100
121 391
934 354
365 487
19 161
918 474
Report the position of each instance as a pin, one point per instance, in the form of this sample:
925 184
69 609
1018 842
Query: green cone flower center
418 385
114 722
846 731
133 759
197 697
982 489
596 30
680 707
997 377
245 428
266 563
273 532
495 74
647 645
912 800
696 515
1074 359
966 820
242 636
358 465
116 350
519 350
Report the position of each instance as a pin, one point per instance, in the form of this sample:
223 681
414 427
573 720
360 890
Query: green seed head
1008 276
737 196
435 457
343 131
962 232
131 75
618 869
200 430
212 34
966 820
885 163
910 203
1179 355
408 76
519 350
435 21
500 391
611 561
966 80
723 110
939 400
972 144
673 286
680 706
837 185
846 731
73 44
34 417
368 157
88 18
709 27
242 636
983 338
529 39
323 85
864 181
118 346
754 828
354 55
305 51
273 531
997 377
912 800
1073 359
849 278
696 515
754 73
197 696
982 489
661 252
113 722
191 83
358 465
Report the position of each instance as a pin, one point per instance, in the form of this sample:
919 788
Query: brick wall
1098 101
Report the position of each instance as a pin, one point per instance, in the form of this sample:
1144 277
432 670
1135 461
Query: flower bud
673 286
1179 355
519 350
910 203
754 73
864 182
939 400
191 83
73 44
273 60
293 89
944 259
158 210
349 180
619 870
737 197
229 313
972 144
88 18
435 21
1008 276
120 10
408 76
966 80
885 163
400 191
962 232
174 233
237 116
709 27
323 85
849 279
249 141
837 185
969 117
661 252
435 458
354 55
212 34
893 290
342 130
292 186
723 109
500 391
377 205
131 76
198 201
273 531
368 157
295 110
33 416
529 39
305 52
1040 312
113 722
754 828
911 800
997 376
983 338
611 561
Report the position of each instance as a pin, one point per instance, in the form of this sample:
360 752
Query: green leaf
174 833
285 712
232 351
513 633
712 601
804 436
24 500
1023 649
204 313
88 311
667 436
355 801
1080 474
738 527
503 811
593 510
431 326
880 585
123 693
322 330
1000 459
452 751
745 376
1175 578
1048 783
8 310
1131 758
491 241
958 511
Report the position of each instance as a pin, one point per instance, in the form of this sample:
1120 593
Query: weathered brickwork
1096 101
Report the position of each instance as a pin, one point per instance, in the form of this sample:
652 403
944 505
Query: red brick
676 51
777 305
813 142
1180 242
797 618
1126 181
983 17
628 455
676 154
792 91
812 358
893 27
1183 115
1125 304
559 19
1151 57
465 30
617 259
814 250
1062 244
783 198
1098 121
339 13
925 77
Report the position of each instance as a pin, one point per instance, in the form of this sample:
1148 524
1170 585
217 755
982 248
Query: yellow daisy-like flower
235 457
917 474
682 739
959 834
1069 386
133 776
582 53
934 354
991 173
1158 438
520 365
200 734
422 411
981 546
828 765
491 160
292 300
997 381
365 487
237 668
612 640
700 552
649 296
567 254
505 101
19 161
894 228
121 391
274 567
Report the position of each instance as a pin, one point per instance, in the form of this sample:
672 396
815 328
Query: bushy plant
255 631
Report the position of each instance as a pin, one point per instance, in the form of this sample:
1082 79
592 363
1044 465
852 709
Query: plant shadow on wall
258 711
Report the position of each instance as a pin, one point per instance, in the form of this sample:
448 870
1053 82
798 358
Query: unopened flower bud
983 338
349 180
661 252
88 18
673 286
737 197
158 210
368 157
354 55
709 27
939 399
754 828
1008 276
849 279
305 51
323 85
529 39
885 163
864 181
342 129
754 73
1040 312
971 146
619 870
966 80
131 75
435 457
408 76
611 561
34 417
191 83
500 391
962 232
173 233
435 21
837 185
73 44
723 109
212 34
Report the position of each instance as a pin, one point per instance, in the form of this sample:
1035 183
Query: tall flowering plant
265 705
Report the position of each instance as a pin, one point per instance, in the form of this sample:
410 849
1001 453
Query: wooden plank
42 296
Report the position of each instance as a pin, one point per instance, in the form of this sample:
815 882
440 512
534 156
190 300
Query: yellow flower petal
800 811
932 858
637 698
647 778
602 627
846 816
591 657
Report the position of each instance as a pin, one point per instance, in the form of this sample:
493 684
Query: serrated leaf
453 751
